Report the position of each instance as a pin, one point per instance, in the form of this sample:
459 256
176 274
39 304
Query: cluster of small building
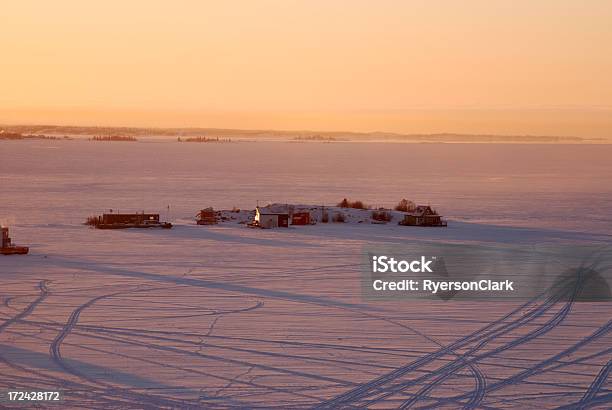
261 218
284 216
265 218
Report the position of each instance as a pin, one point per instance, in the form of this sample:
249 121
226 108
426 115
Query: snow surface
225 316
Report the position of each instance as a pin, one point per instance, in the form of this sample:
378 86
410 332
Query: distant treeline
314 138
403 206
19 136
114 138
203 139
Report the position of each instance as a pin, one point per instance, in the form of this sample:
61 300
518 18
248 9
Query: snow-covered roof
421 210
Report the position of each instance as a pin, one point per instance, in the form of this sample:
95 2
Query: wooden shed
270 220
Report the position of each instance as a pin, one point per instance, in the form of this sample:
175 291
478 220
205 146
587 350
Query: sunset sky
529 67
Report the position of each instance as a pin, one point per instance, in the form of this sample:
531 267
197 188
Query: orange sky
539 67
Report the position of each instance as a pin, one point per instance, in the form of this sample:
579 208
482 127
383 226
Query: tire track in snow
483 335
541 366
448 370
193 371
377 384
594 388
44 292
590 396
55 347
55 352
73 323
42 286
479 376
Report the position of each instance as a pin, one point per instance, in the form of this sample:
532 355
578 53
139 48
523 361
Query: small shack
207 216
300 218
270 220
423 215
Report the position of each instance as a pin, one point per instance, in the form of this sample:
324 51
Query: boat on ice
8 248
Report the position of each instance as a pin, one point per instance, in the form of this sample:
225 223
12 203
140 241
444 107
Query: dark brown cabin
423 215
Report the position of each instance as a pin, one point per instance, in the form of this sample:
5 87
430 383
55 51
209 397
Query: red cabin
300 218
283 220
207 217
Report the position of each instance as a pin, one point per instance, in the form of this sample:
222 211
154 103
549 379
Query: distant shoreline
61 131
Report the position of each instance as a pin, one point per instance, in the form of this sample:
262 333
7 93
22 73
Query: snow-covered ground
225 316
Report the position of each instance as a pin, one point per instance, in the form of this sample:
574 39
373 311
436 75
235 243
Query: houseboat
7 247
423 215
124 221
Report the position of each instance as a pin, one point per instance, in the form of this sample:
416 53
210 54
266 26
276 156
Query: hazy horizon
407 67
586 124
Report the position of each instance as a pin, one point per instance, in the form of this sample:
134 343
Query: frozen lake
230 317
559 186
